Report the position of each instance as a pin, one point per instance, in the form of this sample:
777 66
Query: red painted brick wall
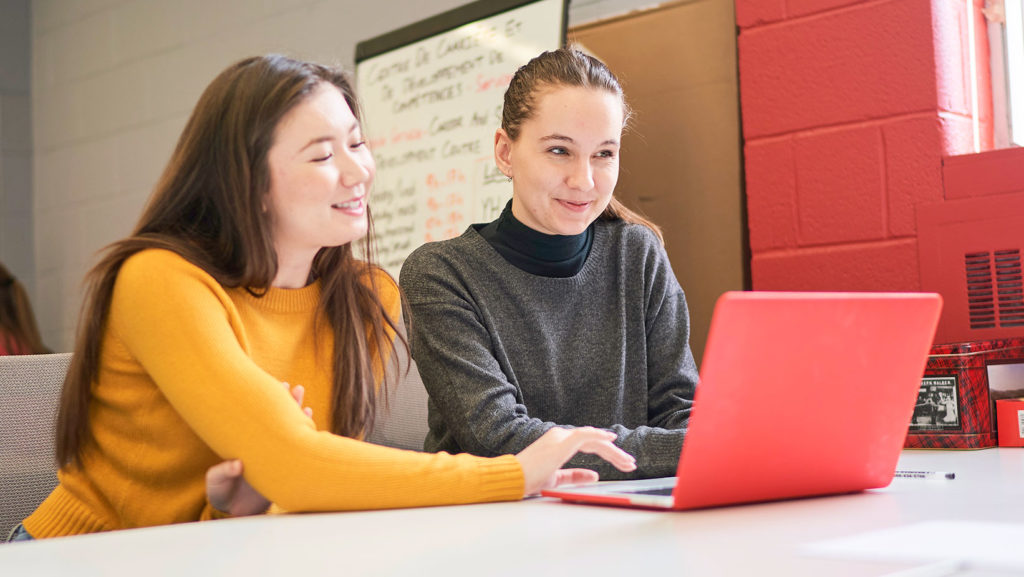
848 109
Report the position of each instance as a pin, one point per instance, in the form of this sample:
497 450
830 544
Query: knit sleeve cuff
501 479
211 513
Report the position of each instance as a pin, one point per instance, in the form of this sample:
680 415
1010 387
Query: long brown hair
567 66
19 333
207 207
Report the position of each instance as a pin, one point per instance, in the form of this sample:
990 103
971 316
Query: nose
581 175
354 170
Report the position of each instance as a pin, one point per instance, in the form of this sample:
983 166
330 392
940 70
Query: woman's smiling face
320 173
565 162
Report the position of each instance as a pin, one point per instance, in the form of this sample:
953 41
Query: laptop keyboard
667 491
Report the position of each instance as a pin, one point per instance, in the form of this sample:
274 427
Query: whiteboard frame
441 23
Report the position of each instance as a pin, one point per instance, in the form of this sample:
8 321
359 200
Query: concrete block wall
15 142
849 107
113 82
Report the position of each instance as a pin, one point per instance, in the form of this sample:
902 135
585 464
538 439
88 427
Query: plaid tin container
956 404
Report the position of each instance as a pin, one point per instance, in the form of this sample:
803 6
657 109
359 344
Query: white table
546 537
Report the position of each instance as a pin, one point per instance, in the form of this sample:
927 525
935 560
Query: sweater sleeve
671 371
211 513
176 321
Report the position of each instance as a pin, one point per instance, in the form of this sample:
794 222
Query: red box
956 403
1010 421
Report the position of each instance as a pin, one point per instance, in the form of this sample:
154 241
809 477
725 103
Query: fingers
600 443
574 477
224 472
298 392
619 459
543 458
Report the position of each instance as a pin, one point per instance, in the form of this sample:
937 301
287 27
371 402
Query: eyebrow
316 141
327 137
563 138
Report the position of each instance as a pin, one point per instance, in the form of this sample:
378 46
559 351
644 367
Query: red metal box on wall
956 403
971 253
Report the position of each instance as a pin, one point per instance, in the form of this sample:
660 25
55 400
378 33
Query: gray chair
30 388
403 424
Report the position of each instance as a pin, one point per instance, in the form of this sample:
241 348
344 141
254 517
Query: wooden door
681 158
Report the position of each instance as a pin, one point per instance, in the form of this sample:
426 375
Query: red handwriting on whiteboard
447 178
483 84
405 135
443 205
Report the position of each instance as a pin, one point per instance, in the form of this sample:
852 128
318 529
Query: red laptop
801 394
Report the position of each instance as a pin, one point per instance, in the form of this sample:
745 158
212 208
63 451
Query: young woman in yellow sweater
240 276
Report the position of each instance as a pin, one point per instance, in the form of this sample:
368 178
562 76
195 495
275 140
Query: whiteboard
430 110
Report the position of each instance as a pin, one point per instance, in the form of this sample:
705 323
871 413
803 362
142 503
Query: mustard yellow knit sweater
191 374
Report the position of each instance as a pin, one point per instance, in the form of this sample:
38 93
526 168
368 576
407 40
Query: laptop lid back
804 394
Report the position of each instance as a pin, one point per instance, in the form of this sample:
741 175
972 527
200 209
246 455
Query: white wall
113 82
15 142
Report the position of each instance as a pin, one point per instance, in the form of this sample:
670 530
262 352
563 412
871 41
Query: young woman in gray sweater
564 312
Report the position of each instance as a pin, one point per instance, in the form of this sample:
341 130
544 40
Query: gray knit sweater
506 355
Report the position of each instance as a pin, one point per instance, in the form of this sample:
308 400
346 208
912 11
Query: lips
355 207
575 206
350 205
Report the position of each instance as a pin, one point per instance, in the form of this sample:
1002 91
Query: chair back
402 421
30 388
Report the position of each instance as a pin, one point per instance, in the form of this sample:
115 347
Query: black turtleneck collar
550 255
